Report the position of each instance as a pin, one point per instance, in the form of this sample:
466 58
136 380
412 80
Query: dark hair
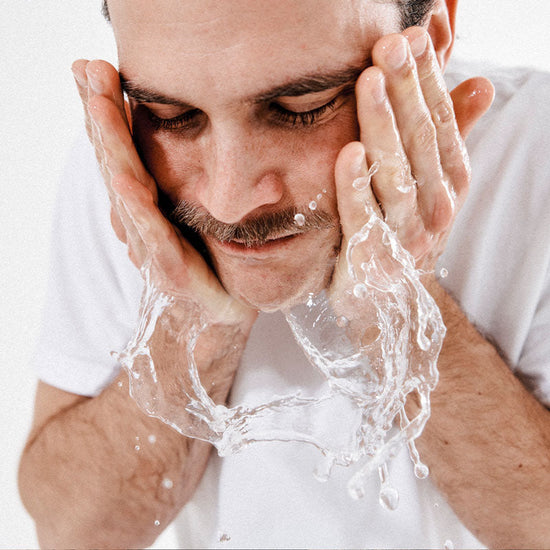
413 12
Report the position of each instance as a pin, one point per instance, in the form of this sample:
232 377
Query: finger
353 190
152 235
104 80
392 183
452 151
81 78
471 100
418 132
78 69
114 140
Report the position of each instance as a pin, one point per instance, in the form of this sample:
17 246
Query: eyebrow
304 85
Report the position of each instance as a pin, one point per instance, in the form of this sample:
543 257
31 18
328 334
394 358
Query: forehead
237 44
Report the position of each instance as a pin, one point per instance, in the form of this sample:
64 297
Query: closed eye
187 119
301 118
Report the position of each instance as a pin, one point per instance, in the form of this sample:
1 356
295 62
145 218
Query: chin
268 291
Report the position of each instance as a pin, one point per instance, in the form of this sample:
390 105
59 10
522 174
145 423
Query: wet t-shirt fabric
497 259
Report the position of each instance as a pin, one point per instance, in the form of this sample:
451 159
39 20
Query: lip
266 250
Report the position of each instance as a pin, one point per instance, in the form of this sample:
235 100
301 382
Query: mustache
254 231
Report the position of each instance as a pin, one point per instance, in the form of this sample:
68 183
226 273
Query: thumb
353 189
471 101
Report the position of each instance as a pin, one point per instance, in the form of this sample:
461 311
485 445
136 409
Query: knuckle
461 175
425 136
442 212
443 113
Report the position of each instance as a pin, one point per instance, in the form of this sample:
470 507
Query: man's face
239 110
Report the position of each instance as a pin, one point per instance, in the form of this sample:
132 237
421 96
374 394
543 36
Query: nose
238 176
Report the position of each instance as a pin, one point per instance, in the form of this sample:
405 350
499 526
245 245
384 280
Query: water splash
375 338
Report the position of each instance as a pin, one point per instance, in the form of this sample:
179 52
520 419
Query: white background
40 115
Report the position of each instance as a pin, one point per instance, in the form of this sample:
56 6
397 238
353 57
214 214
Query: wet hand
176 267
413 130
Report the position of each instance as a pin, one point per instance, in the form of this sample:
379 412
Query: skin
236 163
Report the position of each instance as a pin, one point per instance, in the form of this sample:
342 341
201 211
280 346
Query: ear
441 27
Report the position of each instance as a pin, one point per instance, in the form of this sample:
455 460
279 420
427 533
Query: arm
487 442
81 476
85 484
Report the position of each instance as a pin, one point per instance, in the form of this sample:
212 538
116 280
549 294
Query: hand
413 130
189 325
176 267
395 224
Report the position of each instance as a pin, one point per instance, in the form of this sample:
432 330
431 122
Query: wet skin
248 123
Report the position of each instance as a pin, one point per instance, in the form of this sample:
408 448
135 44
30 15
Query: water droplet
342 321
300 220
157 522
137 448
361 183
324 468
421 471
356 492
389 497
312 205
120 384
223 537
324 191
360 291
152 438
448 545
319 196
137 437
443 273
167 483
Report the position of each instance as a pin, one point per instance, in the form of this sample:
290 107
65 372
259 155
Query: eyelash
306 118
187 120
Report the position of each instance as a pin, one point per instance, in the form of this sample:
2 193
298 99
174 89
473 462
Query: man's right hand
176 267
169 263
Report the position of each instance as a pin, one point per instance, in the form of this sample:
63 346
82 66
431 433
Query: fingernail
397 55
94 82
418 45
378 89
360 163
80 80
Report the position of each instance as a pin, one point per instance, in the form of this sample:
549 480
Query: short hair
413 12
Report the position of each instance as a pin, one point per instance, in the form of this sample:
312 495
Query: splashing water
376 341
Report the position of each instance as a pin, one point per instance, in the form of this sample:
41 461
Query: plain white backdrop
40 115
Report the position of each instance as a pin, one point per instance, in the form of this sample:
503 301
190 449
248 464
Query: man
242 113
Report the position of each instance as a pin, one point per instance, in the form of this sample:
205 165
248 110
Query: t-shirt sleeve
93 291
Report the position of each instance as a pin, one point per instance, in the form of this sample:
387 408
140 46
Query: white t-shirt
498 259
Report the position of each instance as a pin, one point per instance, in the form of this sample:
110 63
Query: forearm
101 473
488 440
98 474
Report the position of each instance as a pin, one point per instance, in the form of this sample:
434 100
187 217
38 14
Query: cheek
169 162
305 159
314 158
